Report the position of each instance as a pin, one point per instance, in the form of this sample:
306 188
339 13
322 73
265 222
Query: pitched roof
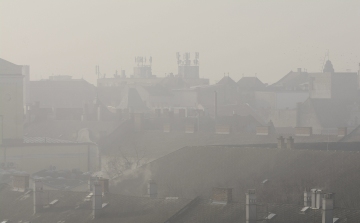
72 207
250 83
292 80
226 80
193 171
68 129
132 100
8 68
331 113
68 93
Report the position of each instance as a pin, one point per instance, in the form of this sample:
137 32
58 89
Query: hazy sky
269 38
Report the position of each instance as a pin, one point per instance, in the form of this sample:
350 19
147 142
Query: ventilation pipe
328 207
307 198
251 206
38 196
152 189
97 199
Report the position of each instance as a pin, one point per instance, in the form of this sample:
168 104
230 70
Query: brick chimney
281 142
327 207
222 195
38 196
152 189
290 143
20 182
99 113
251 206
104 185
97 199
316 197
307 198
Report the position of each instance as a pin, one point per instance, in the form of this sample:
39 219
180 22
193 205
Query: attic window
270 216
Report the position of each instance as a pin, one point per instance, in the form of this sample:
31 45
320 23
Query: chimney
316 196
97 199
222 195
104 185
99 113
152 189
307 198
290 142
328 207
251 206
299 70
38 196
20 182
91 183
313 198
281 143
319 196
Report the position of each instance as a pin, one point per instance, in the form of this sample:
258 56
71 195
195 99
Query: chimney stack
99 113
328 207
316 197
38 196
290 142
222 195
281 143
97 199
251 206
152 189
307 198
104 185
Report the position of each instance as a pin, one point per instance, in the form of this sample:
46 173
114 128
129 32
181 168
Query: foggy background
267 38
